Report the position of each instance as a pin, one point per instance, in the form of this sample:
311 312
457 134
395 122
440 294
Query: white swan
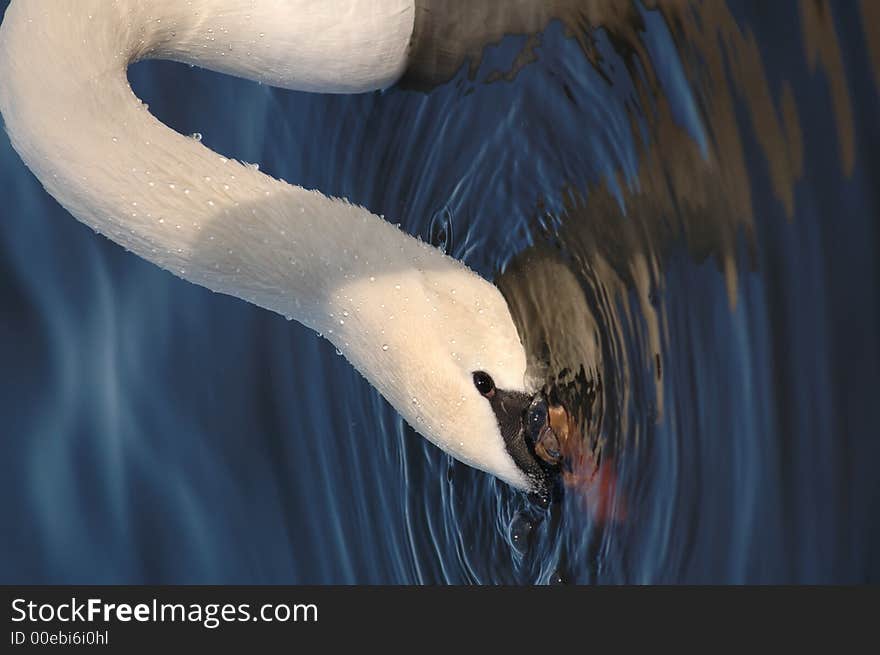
434 338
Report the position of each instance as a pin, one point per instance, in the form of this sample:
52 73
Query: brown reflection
448 35
823 49
573 308
871 25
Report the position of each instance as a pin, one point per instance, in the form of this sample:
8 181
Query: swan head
439 343
529 437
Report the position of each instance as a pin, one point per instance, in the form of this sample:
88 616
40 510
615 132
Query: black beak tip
524 424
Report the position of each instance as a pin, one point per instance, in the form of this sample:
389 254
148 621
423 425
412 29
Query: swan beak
559 429
549 428
529 436
547 446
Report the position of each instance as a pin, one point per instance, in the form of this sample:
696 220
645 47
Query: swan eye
484 384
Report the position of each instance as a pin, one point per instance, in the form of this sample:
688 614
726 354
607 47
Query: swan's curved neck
206 218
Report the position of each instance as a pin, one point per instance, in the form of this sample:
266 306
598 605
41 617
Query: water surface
681 206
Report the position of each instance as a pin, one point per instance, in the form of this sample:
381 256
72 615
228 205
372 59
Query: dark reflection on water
680 205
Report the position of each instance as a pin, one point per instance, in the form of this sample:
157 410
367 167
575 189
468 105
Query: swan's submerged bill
434 338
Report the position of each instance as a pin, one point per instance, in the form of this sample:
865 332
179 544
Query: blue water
712 195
